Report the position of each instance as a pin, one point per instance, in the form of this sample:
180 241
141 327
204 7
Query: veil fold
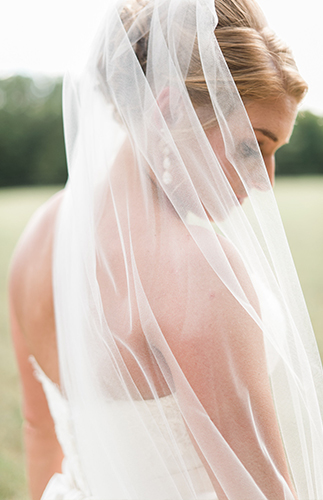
186 351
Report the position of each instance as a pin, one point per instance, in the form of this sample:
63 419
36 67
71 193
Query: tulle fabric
165 285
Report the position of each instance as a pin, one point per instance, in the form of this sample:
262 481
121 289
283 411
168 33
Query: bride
163 341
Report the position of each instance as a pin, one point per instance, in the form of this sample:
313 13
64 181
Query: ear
170 103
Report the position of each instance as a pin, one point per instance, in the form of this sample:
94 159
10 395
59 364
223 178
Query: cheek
217 145
230 172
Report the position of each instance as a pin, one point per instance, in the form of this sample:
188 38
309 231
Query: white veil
162 315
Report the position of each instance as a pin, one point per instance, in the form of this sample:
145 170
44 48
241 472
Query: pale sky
38 36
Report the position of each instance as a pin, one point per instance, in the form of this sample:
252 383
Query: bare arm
43 452
33 332
221 352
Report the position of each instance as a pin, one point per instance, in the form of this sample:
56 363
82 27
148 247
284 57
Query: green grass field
301 204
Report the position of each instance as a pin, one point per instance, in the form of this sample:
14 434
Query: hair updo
261 65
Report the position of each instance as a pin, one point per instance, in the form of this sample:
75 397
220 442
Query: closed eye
247 151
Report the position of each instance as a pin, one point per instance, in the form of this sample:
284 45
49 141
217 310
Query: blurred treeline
32 146
31 132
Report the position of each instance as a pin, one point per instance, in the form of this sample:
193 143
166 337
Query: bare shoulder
30 281
38 229
192 296
34 245
202 322
225 255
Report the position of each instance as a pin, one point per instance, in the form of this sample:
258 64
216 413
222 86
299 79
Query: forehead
277 116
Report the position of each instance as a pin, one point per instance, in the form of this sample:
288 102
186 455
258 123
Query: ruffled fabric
70 484
63 487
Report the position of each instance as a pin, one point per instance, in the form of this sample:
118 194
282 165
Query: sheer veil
166 286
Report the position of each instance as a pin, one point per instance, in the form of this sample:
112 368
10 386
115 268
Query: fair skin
33 325
272 122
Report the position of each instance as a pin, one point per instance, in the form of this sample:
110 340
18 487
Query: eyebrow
267 133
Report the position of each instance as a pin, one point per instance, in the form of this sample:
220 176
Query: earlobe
170 103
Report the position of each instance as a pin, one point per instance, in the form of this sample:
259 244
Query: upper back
30 286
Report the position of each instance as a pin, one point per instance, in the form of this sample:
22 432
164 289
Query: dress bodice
71 483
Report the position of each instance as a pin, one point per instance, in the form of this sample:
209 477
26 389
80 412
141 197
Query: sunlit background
38 36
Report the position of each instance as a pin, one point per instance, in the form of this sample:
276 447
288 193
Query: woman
160 307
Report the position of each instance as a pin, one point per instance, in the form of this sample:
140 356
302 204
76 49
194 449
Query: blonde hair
261 65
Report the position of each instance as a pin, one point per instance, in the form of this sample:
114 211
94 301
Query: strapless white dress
71 483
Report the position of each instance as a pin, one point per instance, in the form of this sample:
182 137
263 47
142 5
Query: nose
270 166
